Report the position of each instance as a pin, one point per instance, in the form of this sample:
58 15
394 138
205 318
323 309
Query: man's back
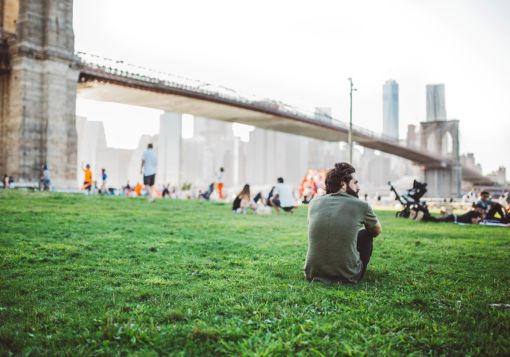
334 222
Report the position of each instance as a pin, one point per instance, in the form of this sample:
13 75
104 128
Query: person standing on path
148 170
219 182
45 184
104 182
87 180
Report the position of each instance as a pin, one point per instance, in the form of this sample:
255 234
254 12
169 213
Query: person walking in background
339 250
137 191
87 180
219 182
148 169
45 182
104 177
5 181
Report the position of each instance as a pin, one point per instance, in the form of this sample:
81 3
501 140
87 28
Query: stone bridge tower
38 76
442 137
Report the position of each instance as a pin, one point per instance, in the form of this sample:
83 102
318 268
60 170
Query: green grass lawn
83 275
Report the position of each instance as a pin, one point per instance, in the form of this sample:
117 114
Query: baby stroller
414 208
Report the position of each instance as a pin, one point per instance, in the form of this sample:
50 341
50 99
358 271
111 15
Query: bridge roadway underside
205 108
208 107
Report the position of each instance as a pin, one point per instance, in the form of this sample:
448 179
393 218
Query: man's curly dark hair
342 172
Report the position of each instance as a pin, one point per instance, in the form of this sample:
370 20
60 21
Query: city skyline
313 51
214 144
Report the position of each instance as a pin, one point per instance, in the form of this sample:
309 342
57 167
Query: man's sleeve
370 220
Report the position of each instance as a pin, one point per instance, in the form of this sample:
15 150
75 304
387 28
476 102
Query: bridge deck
104 86
107 84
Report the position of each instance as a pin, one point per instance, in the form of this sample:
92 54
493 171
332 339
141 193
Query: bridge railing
127 70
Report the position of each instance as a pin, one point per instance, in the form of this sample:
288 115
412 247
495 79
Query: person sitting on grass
494 211
282 197
243 201
126 190
339 249
166 191
474 216
207 194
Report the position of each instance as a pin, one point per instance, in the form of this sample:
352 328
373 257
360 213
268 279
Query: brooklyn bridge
41 76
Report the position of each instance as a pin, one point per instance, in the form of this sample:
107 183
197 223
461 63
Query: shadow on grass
373 276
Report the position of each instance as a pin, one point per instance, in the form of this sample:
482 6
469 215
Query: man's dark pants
364 246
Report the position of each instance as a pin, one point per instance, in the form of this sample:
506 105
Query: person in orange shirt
87 182
138 189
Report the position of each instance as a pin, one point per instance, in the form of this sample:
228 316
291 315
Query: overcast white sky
302 52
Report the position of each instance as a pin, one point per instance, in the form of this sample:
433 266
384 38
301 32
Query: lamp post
350 121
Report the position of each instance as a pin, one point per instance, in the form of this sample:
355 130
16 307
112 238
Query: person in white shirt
148 169
283 197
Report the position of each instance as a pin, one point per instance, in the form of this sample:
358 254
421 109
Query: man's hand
376 230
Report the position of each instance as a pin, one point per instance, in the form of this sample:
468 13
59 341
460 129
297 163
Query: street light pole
350 121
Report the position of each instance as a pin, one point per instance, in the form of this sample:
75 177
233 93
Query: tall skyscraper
412 136
390 108
436 106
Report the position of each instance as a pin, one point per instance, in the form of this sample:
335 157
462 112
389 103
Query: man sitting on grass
338 248
282 197
494 211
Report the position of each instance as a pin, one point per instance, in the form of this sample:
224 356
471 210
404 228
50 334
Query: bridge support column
442 137
443 182
169 149
37 125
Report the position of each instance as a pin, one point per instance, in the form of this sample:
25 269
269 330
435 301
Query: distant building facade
120 164
259 162
390 109
499 175
470 160
412 137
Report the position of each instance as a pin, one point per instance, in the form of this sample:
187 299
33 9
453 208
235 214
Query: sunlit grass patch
111 275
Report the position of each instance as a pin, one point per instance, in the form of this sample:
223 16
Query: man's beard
351 192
